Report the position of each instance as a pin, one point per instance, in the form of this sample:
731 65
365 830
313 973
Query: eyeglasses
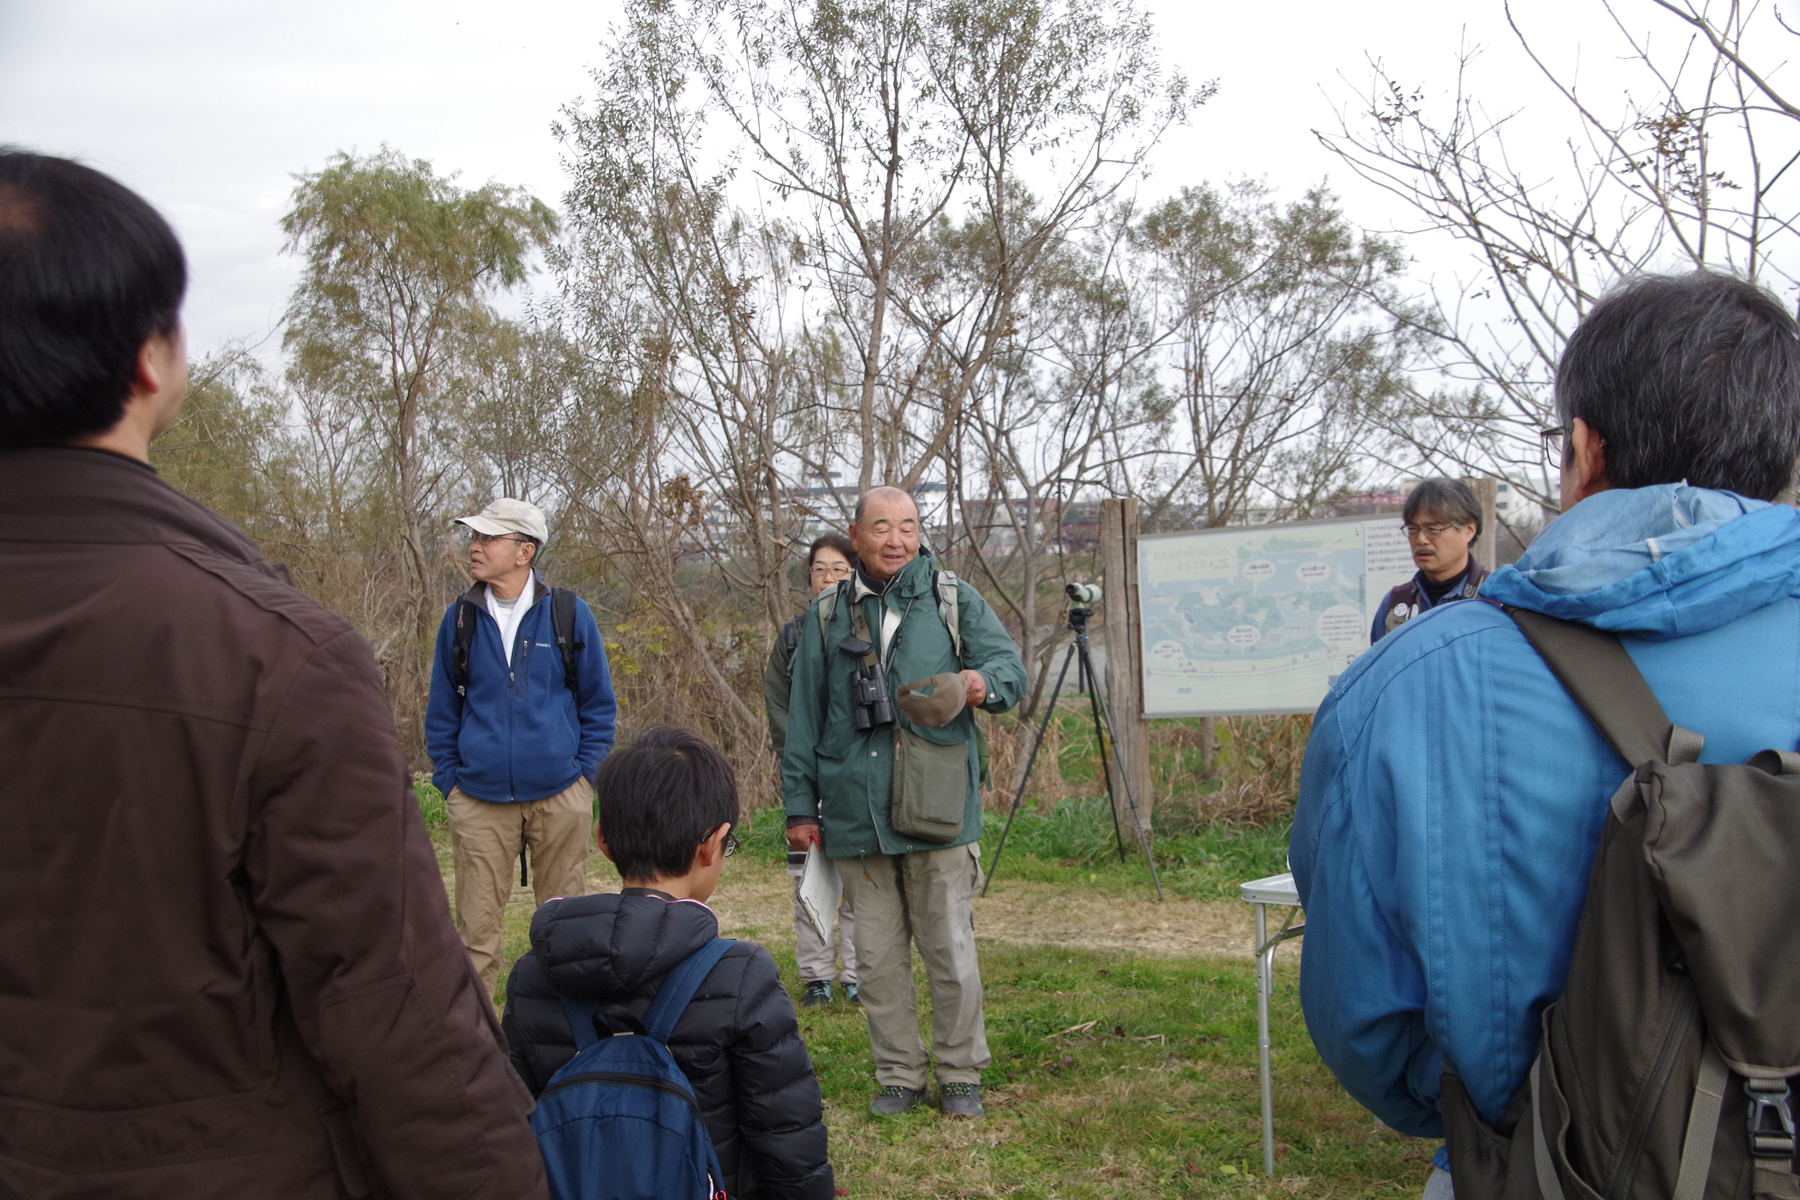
1552 438
731 842
483 539
831 570
1434 532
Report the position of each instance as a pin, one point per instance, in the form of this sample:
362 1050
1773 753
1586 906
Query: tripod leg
1136 821
1106 769
1030 760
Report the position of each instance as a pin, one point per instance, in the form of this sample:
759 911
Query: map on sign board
1261 619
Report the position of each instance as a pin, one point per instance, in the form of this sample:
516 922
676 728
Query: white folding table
1276 889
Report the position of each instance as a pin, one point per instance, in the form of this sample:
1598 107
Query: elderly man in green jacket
882 766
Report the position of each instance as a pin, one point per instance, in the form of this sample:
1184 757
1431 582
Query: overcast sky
208 108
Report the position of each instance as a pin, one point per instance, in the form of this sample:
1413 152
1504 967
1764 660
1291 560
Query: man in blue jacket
1453 793
514 740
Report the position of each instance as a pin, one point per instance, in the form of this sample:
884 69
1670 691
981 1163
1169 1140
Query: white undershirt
509 613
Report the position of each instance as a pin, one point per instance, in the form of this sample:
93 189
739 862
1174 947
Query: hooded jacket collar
1658 562
607 946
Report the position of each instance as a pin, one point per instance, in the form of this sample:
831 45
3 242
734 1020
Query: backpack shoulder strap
949 608
580 1014
827 605
468 609
1600 675
562 623
790 641
679 985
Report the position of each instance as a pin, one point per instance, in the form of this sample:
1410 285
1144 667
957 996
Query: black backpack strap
790 640
562 623
1600 675
679 985
468 610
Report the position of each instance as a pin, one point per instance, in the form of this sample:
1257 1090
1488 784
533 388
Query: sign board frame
1148 541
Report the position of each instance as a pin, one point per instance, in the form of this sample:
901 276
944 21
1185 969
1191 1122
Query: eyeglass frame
835 570
1554 441
482 539
731 840
1432 532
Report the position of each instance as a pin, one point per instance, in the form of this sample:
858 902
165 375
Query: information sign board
1263 618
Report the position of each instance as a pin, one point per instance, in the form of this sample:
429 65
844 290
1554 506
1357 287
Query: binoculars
871 699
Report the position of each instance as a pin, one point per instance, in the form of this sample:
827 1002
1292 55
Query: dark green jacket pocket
931 784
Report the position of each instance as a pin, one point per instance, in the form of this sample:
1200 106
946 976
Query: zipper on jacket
1654 1083
626 1077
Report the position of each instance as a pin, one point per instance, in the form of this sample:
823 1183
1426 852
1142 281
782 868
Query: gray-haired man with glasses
1442 519
521 713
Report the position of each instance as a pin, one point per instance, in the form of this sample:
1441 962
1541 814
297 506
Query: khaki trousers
925 898
484 846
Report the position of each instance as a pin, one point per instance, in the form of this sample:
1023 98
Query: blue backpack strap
581 1015
679 985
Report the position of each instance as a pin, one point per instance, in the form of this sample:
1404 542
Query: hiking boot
891 1100
817 992
850 994
962 1100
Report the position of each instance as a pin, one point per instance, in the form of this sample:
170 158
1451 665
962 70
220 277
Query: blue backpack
619 1120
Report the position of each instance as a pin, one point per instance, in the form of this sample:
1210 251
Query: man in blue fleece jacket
1453 793
515 752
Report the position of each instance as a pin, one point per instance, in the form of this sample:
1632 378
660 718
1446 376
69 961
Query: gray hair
1688 377
857 516
1446 499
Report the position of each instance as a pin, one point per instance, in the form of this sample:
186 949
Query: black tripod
1088 681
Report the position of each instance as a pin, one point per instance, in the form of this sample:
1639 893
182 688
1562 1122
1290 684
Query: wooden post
1125 662
1486 491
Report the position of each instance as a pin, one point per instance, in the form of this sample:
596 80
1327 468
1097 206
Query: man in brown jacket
227 967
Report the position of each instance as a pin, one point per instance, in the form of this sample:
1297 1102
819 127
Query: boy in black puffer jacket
667 805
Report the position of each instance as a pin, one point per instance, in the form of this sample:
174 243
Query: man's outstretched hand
800 837
977 686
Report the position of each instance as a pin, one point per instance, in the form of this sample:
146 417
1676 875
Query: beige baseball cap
933 702
507 515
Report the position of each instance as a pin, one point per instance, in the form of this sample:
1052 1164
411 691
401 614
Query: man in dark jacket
1442 519
737 1042
516 735
226 964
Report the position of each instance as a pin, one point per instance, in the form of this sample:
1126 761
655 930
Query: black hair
834 541
1688 377
1449 500
659 798
89 272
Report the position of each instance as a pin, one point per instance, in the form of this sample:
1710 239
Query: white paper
817 895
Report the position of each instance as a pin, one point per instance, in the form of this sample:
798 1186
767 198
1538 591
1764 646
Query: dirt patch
756 900
1036 914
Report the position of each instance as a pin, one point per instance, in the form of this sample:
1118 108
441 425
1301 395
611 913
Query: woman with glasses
831 560
1442 519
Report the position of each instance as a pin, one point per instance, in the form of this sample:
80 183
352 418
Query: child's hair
659 798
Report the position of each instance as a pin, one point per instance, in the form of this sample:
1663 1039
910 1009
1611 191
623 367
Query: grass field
1123 1032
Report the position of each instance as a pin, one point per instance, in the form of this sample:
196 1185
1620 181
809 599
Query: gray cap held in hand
934 702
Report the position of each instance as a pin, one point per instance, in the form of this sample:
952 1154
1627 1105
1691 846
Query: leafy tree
399 268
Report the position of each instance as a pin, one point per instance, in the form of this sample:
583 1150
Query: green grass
1074 843
1115 1075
